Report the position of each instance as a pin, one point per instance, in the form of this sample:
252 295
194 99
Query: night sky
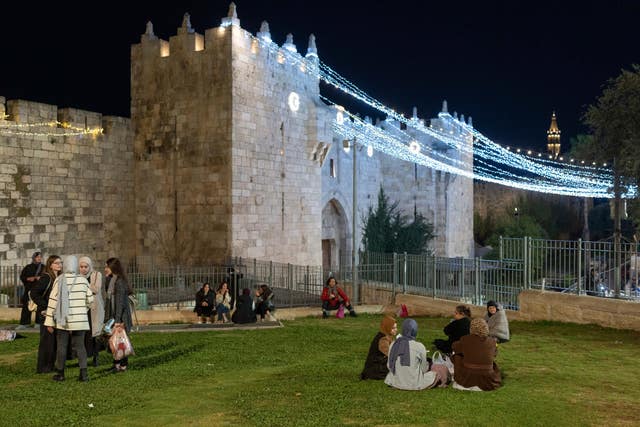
508 64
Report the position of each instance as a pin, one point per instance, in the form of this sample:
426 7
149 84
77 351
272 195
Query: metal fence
581 267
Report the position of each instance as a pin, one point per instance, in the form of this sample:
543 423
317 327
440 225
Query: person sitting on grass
264 303
496 318
244 308
333 296
375 367
409 367
474 357
457 328
204 303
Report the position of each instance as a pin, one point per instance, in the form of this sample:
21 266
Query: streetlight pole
354 249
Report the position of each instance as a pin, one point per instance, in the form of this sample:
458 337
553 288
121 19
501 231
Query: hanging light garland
62 129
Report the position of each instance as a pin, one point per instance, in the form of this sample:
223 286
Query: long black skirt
46 351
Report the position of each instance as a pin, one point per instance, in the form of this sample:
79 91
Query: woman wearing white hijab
67 312
96 315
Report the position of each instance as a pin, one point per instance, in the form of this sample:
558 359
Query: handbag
340 312
441 359
31 305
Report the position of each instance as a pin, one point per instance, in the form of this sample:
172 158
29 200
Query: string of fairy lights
11 128
492 162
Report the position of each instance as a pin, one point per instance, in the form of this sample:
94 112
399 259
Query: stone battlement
22 112
187 42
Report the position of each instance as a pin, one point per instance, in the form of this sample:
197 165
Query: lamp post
354 218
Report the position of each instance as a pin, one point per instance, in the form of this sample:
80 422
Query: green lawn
307 373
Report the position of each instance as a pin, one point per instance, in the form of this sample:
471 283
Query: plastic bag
340 312
120 344
7 335
442 359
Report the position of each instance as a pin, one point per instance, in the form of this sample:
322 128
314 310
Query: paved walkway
280 314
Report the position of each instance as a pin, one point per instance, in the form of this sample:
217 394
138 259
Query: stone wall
181 113
277 122
63 193
538 305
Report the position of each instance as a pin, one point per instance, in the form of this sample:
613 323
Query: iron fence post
395 272
290 284
435 274
404 272
16 280
270 274
306 280
526 266
501 248
477 280
461 279
579 266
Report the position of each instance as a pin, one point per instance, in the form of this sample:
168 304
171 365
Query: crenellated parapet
21 117
219 40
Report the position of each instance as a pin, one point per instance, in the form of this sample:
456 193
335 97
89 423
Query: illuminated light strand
23 129
382 141
510 159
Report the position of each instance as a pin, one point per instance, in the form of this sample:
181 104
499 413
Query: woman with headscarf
408 364
117 304
40 295
497 321
244 308
69 302
474 359
96 315
375 367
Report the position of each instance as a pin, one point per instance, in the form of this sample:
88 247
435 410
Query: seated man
333 296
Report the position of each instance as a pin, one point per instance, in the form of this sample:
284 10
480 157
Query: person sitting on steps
333 296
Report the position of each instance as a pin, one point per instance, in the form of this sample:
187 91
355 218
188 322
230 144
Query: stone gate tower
224 134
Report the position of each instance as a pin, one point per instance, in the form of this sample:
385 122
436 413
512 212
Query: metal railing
580 267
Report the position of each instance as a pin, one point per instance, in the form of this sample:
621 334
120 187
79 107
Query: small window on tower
332 169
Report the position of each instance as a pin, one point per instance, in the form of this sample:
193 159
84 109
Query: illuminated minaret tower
553 137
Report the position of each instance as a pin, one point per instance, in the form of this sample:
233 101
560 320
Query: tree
614 120
386 230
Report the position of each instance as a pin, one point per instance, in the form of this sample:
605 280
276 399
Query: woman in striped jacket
69 302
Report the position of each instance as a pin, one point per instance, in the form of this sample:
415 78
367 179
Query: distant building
553 137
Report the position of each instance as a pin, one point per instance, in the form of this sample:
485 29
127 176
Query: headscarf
70 264
492 304
386 325
400 348
479 327
87 261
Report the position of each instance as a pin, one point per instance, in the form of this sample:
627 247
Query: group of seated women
472 346
210 304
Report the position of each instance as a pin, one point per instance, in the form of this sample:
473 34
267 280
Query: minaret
553 137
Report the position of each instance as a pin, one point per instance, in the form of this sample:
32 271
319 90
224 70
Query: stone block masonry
63 193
